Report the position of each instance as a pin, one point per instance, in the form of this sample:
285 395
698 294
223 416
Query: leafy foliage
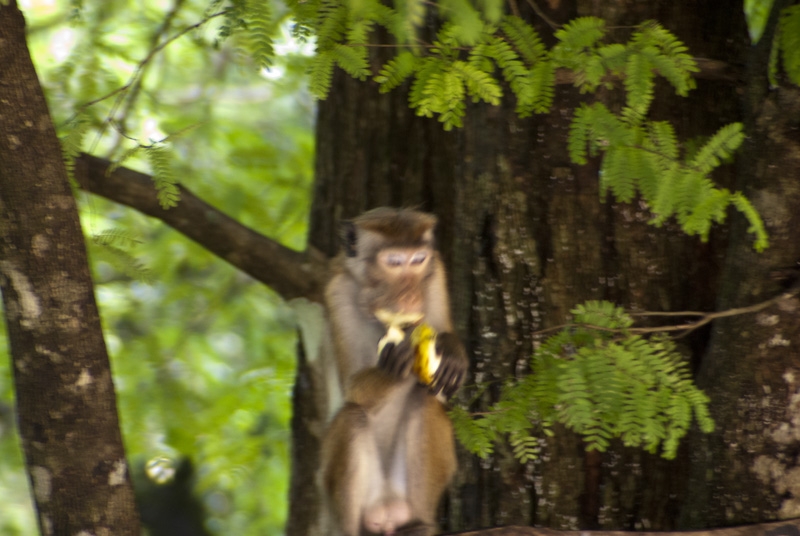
645 158
163 176
757 12
72 144
789 41
600 381
473 56
113 246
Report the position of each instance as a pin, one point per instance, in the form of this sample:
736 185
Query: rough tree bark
526 236
65 397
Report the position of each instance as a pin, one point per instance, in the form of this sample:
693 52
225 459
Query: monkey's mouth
400 320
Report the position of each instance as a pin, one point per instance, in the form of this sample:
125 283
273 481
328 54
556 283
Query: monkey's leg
430 458
352 472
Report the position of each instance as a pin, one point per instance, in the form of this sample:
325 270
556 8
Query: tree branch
290 273
687 327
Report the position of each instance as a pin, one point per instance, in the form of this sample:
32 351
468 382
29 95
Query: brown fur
388 454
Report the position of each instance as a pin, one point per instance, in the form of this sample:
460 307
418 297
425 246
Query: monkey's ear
349 238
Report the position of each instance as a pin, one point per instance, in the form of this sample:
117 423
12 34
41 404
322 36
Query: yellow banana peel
426 360
423 340
395 322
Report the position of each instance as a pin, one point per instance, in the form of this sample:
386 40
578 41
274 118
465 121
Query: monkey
390 264
388 454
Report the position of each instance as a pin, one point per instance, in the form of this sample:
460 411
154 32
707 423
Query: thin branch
141 65
136 88
687 327
542 15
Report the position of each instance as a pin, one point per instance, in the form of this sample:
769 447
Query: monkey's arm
355 336
453 368
397 360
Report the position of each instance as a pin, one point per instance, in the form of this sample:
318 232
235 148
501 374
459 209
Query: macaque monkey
389 453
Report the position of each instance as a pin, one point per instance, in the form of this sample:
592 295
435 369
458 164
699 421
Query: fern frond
525 447
116 237
598 128
664 203
417 99
616 173
676 74
709 207
579 133
358 32
580 33
410 16
466 24
160 160
480 86
439 89
672 60
721 145
331 25
639 87
603 314
260 27
542 86
472 433
524 38
353 60
614 57
321 74
662 140
789 25
397 70
743 205
450 101
511 65
72 143
111 246
124 157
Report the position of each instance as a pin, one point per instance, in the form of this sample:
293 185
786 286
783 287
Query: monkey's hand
453 368
397 357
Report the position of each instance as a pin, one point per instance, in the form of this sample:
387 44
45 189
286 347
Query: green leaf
163 176
757 13
397 70
789 29
321 74
721 145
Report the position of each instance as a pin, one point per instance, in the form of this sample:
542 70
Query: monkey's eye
395 259
418 257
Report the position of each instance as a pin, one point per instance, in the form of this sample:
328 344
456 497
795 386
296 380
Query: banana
423 340
426 361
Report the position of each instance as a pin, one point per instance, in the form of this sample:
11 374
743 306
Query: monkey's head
390 252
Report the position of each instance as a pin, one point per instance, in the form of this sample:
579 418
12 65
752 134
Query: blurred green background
203 356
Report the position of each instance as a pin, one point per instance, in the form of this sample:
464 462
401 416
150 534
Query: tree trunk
526 236
65 397
748 469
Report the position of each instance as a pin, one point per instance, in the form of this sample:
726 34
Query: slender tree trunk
65 397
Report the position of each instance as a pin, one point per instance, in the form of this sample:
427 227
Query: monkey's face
397 279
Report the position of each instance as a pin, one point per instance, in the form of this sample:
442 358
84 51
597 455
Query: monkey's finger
385 355
447 379
397 359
